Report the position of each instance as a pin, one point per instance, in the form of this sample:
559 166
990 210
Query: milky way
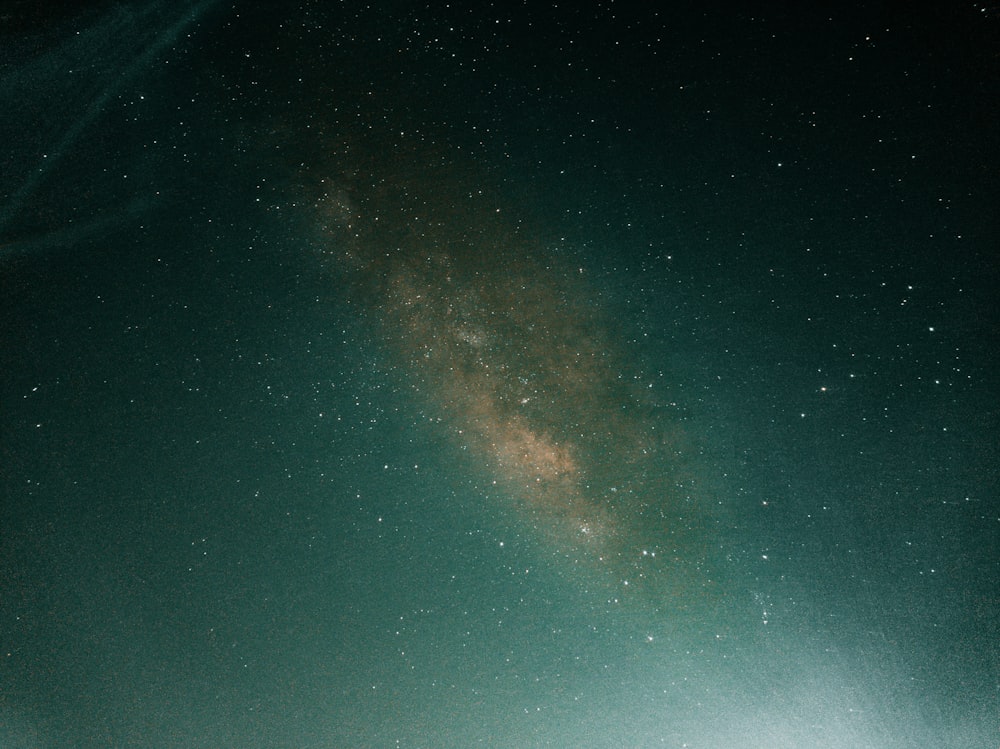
512 349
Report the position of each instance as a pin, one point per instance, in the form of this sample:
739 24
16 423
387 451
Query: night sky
499 374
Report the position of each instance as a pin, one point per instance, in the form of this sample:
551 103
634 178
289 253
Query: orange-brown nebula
512 350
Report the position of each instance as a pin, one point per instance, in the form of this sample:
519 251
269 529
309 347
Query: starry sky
522 374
